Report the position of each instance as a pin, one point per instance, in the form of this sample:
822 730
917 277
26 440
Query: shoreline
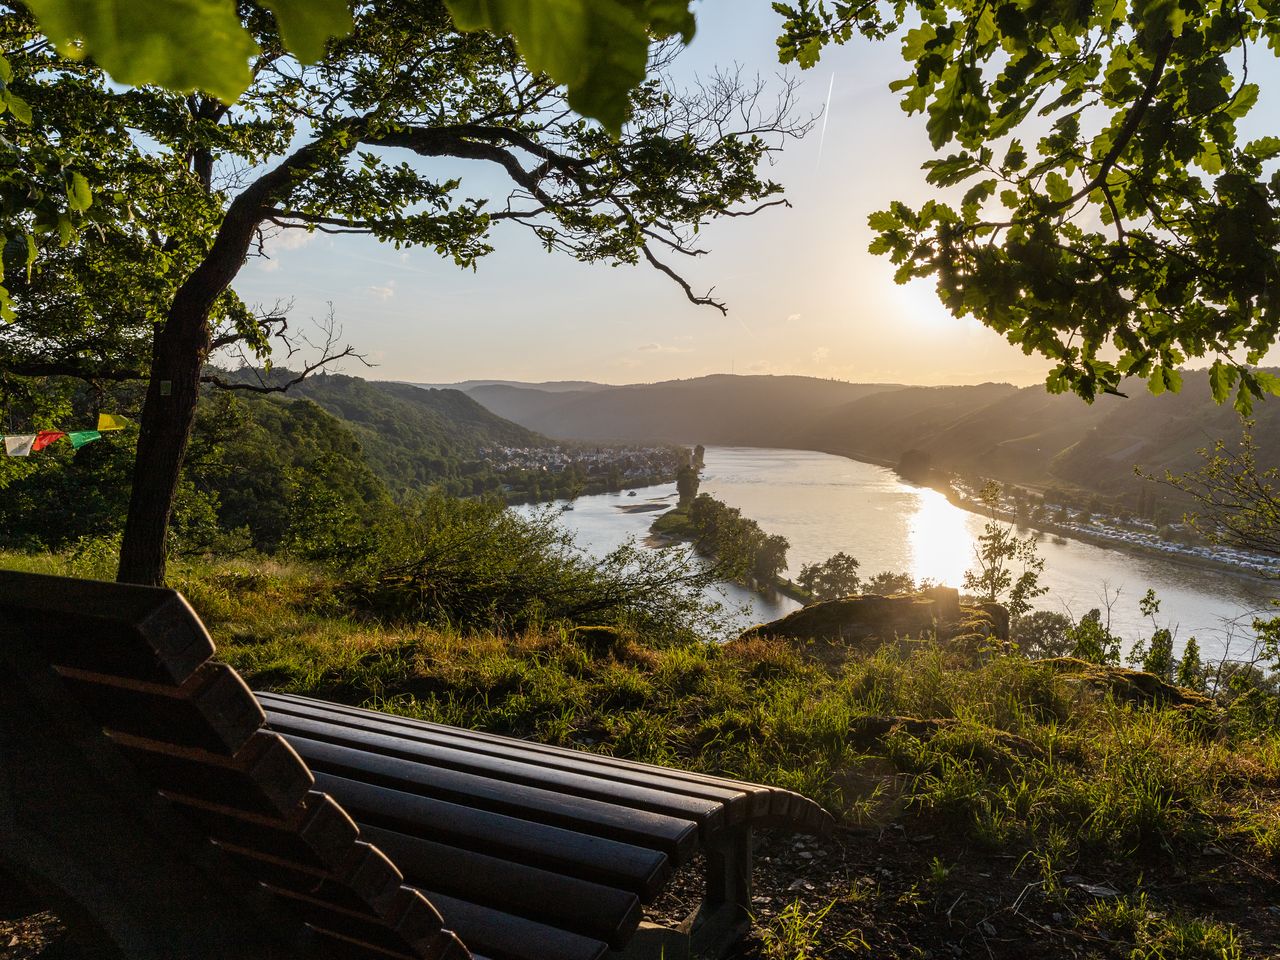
660 539
1054 530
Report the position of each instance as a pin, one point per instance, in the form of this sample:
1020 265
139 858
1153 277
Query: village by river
824 504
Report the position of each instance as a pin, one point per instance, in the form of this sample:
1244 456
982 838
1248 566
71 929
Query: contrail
826 114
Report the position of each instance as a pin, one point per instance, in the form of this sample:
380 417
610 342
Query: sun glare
941 543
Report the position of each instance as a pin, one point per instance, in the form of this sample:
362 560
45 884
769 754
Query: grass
1023 760
1018 759
1149 934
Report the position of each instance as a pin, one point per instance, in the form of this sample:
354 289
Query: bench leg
725 916
721 921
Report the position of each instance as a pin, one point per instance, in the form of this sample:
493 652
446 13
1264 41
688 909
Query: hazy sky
804 295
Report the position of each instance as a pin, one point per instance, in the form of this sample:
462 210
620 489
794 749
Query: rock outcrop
863 623
1134 687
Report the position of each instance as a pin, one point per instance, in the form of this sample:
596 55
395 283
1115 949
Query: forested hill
997 430
411 436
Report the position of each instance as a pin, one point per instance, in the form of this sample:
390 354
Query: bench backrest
139 787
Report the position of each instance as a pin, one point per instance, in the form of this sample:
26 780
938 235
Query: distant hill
1022 435
547 386
414 437
724 409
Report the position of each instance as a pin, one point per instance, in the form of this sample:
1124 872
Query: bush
474 564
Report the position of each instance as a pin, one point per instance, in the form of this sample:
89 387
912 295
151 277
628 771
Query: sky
804 295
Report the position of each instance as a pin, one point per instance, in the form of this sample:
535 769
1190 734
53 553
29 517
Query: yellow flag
110 421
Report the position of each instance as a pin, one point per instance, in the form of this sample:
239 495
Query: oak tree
372 139
1113 219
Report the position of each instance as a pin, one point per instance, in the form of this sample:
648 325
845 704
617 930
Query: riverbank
1072 532
591 490
674 527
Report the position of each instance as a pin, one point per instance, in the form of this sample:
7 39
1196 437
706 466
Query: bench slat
501 936
319 833
708 814
773 806
144 632
740 802
625 866
414 930
567 903
272 700
676 837
266 775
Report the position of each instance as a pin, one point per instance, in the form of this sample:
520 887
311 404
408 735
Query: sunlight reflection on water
942 545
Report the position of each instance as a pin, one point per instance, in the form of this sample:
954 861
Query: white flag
19 446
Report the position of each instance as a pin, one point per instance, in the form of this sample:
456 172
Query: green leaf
79 196
1221 378
305 25
1244 100
180 44
598 49
882 220
1057 186
1264 148
18 107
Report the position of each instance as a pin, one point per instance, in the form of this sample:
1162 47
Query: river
824 504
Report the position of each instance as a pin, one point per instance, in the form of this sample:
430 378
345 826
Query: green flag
81 437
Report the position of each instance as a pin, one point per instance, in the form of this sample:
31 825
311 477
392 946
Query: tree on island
191 187
687 481
835 577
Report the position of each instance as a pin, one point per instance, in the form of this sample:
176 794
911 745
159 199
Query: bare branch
703 301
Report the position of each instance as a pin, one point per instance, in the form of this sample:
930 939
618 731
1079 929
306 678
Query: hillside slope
723 409
1023 435
412 437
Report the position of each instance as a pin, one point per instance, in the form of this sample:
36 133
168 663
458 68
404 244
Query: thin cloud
384 292
793 317
662 348
820 355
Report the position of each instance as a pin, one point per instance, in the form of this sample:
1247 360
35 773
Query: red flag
46 437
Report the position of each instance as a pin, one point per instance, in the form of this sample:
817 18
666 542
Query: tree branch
703 301
1127 130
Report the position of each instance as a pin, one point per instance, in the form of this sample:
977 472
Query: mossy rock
1135 687
853 619
832 630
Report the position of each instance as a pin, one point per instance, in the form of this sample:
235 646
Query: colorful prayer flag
111 421
46 437
19 446
79 438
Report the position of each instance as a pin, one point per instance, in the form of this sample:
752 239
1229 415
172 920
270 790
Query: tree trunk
167 415
178 357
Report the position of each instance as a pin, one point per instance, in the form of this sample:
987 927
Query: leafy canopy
1113 219
597 48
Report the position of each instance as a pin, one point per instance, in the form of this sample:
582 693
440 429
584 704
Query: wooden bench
156 804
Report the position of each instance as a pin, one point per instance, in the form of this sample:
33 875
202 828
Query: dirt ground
908 893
